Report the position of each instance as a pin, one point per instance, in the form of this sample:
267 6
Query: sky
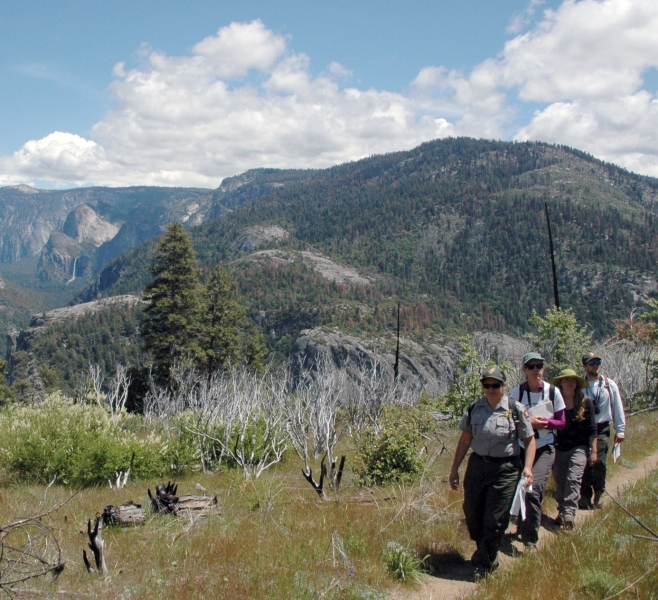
185 94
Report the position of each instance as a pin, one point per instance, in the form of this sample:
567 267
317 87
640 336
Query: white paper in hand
518 504
616 451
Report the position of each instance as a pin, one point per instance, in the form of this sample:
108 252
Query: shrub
81 444
389 451
402 563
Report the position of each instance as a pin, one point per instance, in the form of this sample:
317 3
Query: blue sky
172 93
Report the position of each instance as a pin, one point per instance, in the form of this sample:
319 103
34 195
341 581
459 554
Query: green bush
392 451
82 444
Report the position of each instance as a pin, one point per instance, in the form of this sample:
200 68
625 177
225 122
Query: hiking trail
457 581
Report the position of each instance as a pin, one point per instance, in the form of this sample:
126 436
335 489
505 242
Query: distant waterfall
75 260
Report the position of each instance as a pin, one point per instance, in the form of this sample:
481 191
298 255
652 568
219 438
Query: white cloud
193 120
243 99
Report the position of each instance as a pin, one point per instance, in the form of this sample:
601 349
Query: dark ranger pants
594 476
541 469
489 488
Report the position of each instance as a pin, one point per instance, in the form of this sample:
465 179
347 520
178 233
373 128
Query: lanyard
595 401
527 389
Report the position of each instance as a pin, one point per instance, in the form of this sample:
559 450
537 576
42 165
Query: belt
601 426
495 459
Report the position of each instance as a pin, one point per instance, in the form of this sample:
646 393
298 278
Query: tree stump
124 515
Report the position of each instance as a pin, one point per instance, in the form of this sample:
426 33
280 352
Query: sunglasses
495 386
594 362
533 366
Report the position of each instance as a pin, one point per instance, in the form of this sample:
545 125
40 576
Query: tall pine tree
222 323
170 330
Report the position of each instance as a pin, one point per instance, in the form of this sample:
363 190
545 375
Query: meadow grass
276 538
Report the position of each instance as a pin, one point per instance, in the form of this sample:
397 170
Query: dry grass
276 539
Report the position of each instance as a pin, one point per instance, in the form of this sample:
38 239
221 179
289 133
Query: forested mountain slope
454 229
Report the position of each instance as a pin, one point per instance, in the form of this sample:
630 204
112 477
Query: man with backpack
546 409
608 406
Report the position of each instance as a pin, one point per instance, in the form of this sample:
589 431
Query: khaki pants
568 470
541 469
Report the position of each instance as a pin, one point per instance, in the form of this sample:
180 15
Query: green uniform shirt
493 429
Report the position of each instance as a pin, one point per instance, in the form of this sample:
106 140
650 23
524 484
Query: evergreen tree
222 322
256 350
170 328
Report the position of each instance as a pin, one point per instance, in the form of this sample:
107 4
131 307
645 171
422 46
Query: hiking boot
585 505
479 574
529 547
568 525
597 502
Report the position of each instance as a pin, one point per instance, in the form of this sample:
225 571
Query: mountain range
454 230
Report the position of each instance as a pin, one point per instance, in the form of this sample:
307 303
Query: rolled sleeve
465 423
617 408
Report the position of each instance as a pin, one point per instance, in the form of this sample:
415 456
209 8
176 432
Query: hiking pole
396 367
550 242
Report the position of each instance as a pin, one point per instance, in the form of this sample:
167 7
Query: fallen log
124 515
165 501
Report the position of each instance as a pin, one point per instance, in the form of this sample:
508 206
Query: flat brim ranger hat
493 373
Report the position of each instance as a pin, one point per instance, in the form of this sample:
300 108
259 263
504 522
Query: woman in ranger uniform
492 426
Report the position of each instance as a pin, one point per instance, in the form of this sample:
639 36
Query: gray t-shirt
493 429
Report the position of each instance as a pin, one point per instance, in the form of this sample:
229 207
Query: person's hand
454 479
593 457
538 422
527 473
619 437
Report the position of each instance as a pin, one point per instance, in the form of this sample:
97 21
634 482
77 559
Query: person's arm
463 445
530 448
594 450
617 409
558 421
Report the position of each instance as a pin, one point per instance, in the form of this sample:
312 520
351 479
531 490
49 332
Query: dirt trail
458 582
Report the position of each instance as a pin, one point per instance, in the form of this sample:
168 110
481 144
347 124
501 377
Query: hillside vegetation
455 229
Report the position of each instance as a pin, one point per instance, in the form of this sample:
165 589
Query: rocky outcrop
41 322
59 259
322 265
429 367
28 216
253 238
85 226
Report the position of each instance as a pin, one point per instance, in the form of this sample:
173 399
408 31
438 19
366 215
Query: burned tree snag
97 546
333 475
166 502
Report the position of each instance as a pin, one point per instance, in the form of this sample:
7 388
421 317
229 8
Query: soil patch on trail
452 576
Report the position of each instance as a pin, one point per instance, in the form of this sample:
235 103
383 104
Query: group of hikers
561 426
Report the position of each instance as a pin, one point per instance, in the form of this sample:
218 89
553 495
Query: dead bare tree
29 549
628 363
370 389
118 390
241 414
312 423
